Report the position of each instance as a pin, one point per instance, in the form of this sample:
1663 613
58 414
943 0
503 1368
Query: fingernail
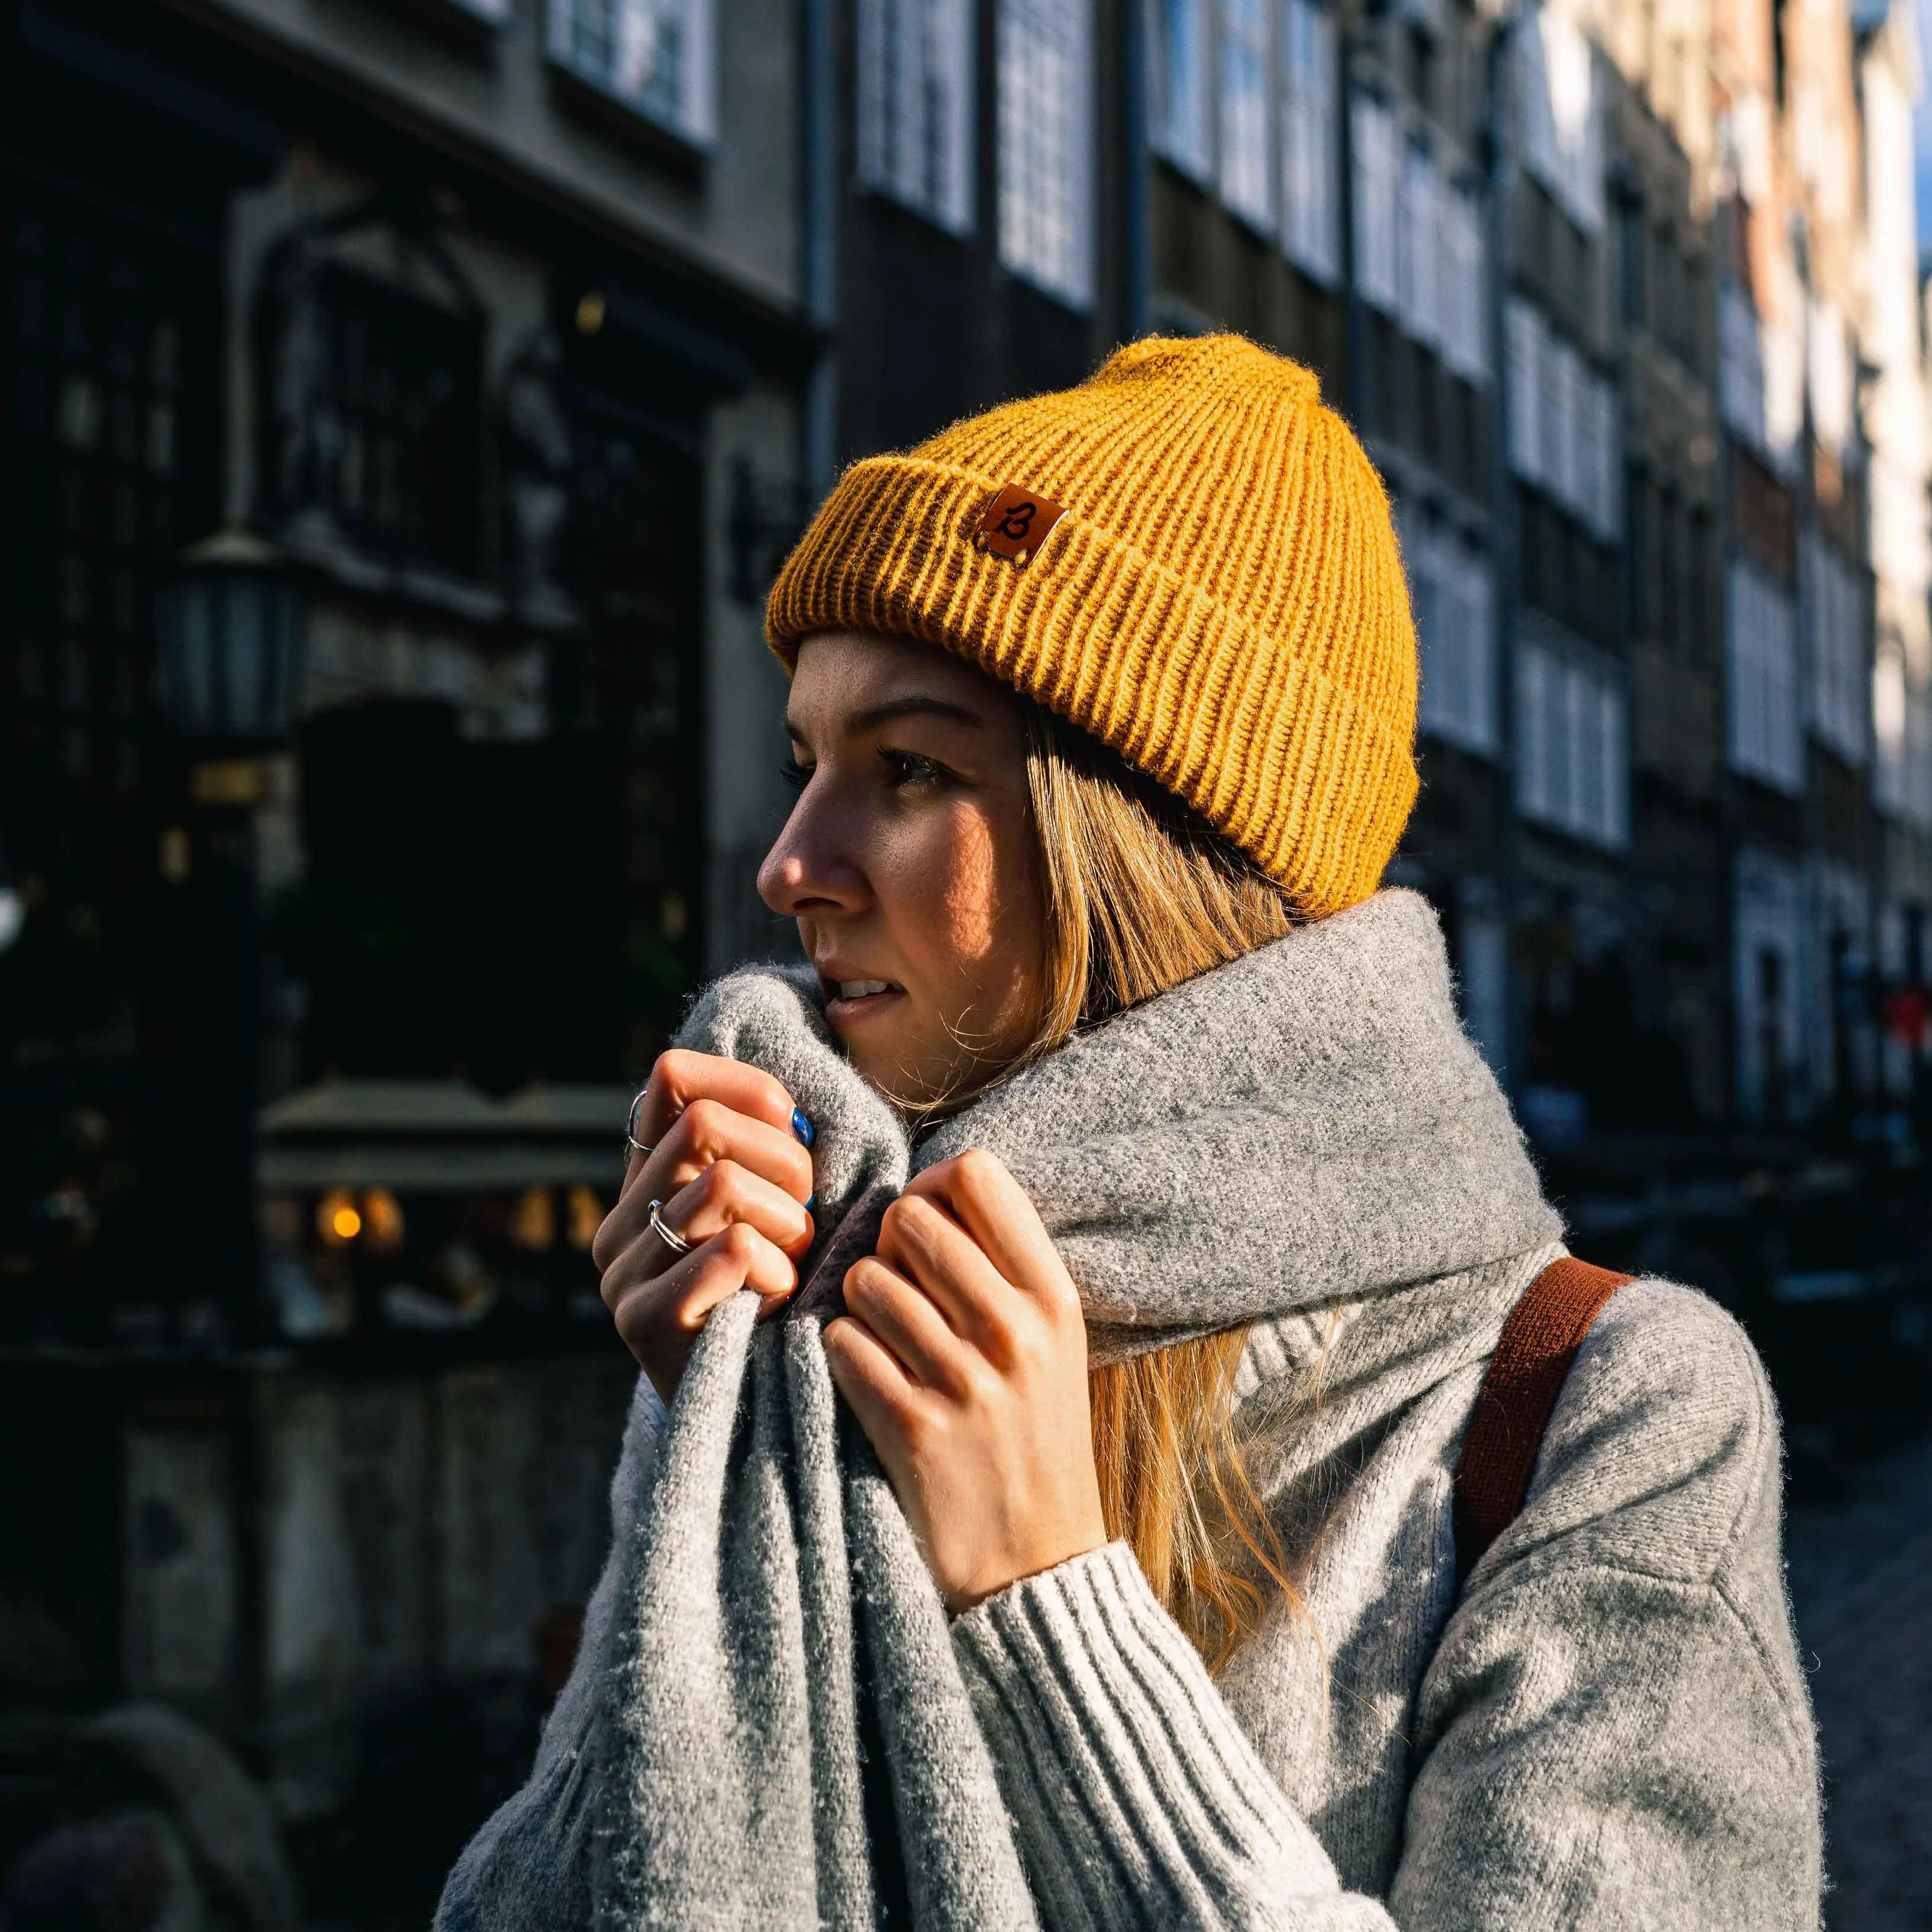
811 1202
802 1127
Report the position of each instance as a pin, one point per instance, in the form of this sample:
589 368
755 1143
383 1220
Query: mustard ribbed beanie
1189 558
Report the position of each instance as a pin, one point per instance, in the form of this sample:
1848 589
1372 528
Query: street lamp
230 621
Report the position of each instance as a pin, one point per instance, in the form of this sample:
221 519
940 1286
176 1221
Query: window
657 56
1418 246
1832 605
1046 145
1765 732
1827 375
1766 925
1372 137
1464 323
1560 110
1245 168
1310 202
1482 978
1740 366
1601 455
1451 592
916 106
1572 763
1180 110
1524 339
1558 415
372 417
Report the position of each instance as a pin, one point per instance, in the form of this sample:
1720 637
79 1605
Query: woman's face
910 861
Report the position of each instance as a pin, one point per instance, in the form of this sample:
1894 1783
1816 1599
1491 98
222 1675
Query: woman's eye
909 768
796 775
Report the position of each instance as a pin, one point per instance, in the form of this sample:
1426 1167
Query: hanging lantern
230 621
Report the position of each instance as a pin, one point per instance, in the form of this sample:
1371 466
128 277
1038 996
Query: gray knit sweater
1607 1727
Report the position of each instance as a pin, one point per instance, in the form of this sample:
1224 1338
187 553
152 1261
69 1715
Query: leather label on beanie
1016 523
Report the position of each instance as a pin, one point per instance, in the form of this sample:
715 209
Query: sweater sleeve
1612 1733
1138 1800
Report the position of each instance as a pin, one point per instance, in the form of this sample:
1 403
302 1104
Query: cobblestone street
1862 1583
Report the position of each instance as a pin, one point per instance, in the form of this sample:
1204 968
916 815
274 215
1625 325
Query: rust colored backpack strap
1539 1342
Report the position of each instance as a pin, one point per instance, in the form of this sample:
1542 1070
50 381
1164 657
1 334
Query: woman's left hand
964 1355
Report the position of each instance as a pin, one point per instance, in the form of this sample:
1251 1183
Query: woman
1204 1221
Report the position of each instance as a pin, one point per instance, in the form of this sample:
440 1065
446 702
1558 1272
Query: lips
854 1000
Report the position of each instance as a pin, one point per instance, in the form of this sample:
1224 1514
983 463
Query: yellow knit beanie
1207 580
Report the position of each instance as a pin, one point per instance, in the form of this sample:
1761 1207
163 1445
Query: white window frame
1045 61
914 55
608 44
1311 205
1832 606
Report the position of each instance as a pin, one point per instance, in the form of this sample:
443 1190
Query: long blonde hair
1142 894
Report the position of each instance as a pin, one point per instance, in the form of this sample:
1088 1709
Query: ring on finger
631 1143
671 1237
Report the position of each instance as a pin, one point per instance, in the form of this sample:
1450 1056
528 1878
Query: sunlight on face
910 861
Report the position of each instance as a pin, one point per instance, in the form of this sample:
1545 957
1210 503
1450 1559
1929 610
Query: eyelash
909 768
902 769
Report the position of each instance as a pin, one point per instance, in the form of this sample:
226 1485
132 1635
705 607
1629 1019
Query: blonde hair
1142 894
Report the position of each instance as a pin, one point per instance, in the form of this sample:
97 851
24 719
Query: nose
814 867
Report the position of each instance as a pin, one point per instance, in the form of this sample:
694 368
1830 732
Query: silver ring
671 1237
631 1143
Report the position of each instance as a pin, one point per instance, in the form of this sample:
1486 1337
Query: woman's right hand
732 1179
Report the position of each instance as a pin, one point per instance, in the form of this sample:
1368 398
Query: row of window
1563 424
1419 252
1244 99
917 107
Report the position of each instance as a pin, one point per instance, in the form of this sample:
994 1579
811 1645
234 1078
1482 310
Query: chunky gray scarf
766 1725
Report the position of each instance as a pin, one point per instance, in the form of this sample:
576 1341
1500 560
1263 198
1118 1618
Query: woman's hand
964 1355
733 1179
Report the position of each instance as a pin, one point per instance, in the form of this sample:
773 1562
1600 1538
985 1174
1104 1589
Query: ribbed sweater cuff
1137 1799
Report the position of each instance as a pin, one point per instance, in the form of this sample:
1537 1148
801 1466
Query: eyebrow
913 705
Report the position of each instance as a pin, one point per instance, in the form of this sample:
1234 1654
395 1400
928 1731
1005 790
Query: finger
870 1377
925 1243
993 1209
901 1316
726 1192
681 1077
678 1300
706 1133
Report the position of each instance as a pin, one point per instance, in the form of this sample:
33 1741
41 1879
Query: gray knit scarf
766 1725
